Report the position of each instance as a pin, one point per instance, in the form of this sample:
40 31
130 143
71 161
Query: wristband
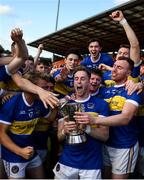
88 129
2 91
63 132
123 21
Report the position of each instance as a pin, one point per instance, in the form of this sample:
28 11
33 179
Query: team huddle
109 93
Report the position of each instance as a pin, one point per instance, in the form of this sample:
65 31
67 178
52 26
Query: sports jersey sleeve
108 60
4 74
56 73
84 62
3 119
104 111
7 111
135 99
136 70
44 111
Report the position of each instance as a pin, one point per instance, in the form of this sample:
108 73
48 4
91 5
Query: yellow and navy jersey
62 89
108 82
136 70
22 119
140 120
87 155
5 76
103 58
41 133
65 87
12 86
121 136
43 128
6 81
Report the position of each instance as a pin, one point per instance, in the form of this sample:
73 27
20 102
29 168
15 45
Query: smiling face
95 82
71 61
123 52
120 71
94 49
30 64
81 84
41 68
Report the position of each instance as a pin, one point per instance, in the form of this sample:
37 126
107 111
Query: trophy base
76 138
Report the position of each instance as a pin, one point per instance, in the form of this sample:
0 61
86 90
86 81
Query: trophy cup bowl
76 136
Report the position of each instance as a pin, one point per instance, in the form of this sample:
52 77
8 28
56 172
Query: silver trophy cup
76 136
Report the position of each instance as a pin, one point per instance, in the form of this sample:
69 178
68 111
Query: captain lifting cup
76 136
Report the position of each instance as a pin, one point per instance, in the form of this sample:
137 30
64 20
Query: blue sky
37 18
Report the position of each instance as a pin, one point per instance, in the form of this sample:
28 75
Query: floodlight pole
57 19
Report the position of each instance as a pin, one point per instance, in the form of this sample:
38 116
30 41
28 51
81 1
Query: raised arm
5 60
132 38
47 97
36 58
60 75
121 119
20 51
